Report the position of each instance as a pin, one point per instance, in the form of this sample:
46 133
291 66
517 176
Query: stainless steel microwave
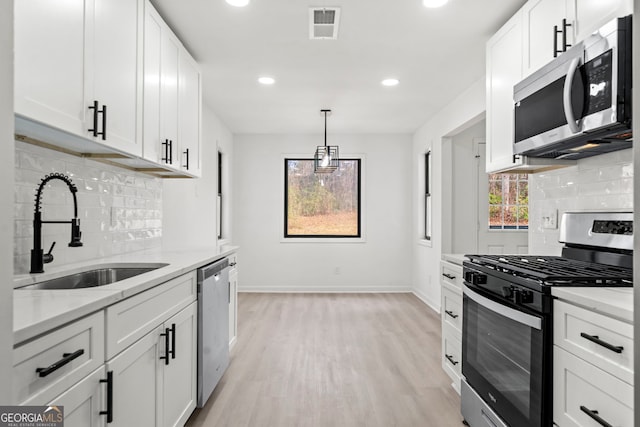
578 105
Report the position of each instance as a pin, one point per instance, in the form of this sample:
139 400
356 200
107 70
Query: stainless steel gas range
507 328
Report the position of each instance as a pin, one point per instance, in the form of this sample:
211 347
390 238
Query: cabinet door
504 69
160 113
137 382
180 375
83 402
50 65
117 70
539 19
189 111
590 15
233 306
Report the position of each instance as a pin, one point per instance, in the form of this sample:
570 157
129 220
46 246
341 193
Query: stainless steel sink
96 276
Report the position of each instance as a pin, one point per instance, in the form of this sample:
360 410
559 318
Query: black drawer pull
594 414
451 313
104 123
449 276
451 359
173 340
66 358
597 340
166 333
109 411
186 153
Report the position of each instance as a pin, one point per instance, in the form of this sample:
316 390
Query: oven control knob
507 292
521 296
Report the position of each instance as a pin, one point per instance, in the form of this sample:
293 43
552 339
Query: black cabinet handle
594 414
596 339
186 153
166 333
451 313
66 358
232 264
449 276
173 340
94 107
165 145
564 35
104 123
171 151
450 359
555 41
109 411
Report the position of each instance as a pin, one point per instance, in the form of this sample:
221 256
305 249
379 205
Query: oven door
503 357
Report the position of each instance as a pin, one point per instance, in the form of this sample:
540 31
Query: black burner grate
557 270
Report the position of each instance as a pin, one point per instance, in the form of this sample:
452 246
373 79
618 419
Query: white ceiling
435 53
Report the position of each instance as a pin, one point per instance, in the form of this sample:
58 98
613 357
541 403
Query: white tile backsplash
599 183
120 211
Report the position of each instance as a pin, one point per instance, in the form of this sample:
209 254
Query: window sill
347 240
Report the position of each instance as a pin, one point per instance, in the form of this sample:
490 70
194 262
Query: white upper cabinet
189 113
545 35
504 69
161 50
590 15
70 56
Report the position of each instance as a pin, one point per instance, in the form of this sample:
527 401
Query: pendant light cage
326 158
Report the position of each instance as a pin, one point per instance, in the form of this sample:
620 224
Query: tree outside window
322 205
508 201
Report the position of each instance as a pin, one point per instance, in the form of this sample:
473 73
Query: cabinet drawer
578 384
452 353
451 273
81 343
451 310
133 318
575 329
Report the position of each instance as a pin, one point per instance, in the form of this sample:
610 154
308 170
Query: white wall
382 262
6 191
603 182
189 214
464 171
463 112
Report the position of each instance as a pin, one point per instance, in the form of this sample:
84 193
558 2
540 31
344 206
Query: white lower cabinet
592 368
233 301
451 315
84 403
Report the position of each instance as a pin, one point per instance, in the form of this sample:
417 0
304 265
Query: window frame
219 204
507 228
428 201
325 238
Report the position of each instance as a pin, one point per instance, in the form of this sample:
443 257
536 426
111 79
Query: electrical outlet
550 219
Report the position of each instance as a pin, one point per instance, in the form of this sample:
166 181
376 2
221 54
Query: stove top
556 271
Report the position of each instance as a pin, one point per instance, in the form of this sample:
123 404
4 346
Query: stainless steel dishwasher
213 326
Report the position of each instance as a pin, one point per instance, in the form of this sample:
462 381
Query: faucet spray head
75 233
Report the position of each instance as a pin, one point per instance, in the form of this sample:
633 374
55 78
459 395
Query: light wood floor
333 360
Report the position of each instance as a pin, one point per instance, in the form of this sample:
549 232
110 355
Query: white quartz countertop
454 258
613 302
38 311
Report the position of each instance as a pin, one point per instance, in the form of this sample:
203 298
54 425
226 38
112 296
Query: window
322 205
508 202
219 204
427 196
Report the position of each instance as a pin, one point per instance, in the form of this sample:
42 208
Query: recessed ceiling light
266 80
238 3
433 3
390 82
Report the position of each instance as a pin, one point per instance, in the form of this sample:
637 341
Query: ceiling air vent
324 22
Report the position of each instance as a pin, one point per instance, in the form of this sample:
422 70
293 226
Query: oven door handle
503 310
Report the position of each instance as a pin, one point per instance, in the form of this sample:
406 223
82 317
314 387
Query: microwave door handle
566 96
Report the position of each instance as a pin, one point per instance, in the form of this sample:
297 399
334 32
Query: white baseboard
427 301
325 289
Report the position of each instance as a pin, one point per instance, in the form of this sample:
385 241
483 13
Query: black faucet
38 257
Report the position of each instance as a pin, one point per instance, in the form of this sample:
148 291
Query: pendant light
326 158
